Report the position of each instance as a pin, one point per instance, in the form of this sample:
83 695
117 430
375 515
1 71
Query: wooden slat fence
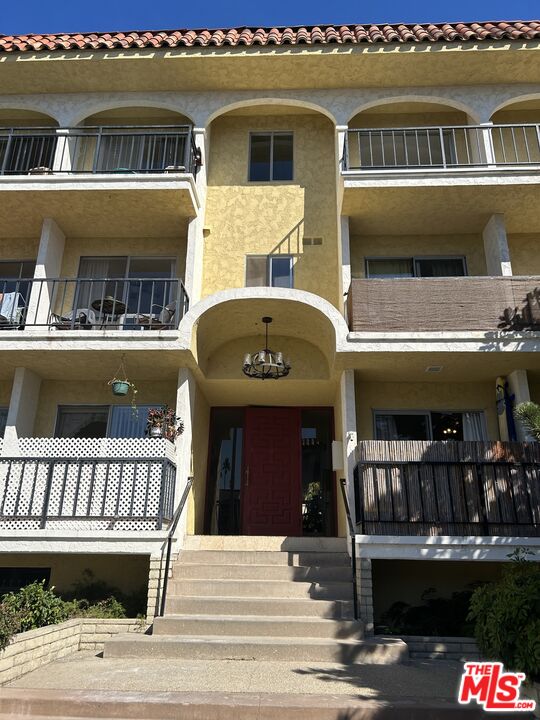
447 488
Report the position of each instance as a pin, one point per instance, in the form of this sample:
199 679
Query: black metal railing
168 544
485 498
89 304
125 493
352 535
106 149
442 147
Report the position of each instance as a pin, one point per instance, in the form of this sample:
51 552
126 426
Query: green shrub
95 592
436 616
506 616
108 608
36 606
9 624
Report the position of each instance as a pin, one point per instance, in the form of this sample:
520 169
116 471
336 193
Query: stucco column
195 232
65 148
185 409
349 434
22 409
484 142
496 246
518 384
345 261
48 265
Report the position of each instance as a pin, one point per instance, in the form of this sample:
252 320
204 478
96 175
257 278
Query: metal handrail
172 530
352 533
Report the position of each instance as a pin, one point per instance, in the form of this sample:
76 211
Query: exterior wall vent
434 368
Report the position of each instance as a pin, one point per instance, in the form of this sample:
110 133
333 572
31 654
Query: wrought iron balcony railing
84 304
447 488
442 147
107 149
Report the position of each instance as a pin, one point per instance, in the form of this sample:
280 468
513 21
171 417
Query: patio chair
84 320
162 320
12 308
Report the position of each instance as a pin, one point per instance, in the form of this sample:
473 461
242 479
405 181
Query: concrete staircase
253 598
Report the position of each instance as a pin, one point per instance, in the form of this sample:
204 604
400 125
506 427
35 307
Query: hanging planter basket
120 387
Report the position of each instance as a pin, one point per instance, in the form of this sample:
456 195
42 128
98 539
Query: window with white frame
429 425
269 271
408 267
102 421
270 156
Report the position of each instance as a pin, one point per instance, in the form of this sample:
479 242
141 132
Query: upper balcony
142 170
439 304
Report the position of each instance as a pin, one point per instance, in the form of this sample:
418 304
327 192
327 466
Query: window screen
439 267
390 268
78 421
256 270
281 272
401 426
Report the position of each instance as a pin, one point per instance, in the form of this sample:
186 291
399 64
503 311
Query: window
415 267
13 274
12 579
100 421
3 420
26 150
425 425
270 157
269 271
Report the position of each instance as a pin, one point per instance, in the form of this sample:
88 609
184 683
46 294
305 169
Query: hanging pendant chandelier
266 363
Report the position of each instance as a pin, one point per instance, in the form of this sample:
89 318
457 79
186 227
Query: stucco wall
197 498
469 246
5 393
374 119
423 396
262 218
18 249
525 254
55 392
128 573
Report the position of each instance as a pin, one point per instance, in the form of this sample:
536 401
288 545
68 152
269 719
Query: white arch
514 100
434 99
278 101
6 105
104 106
192 317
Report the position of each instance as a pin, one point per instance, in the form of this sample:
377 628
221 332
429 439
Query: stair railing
352 534
170 534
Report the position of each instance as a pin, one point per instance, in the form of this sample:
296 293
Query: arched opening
265 156
27 142
266 433
134 139
515 133
411 133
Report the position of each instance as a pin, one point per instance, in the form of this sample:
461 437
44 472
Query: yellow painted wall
128 573
263 218
54 393
469 246
197 498
423 396
19 249
5 393
338 435
525 254
516 116
374 119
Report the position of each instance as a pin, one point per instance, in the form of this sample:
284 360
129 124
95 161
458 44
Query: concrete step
106 705
204 605
263 543
380 651
253 625
260 588
262 572
261 557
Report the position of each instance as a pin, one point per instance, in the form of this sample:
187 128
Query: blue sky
47 16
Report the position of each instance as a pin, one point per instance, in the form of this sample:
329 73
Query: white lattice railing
109 484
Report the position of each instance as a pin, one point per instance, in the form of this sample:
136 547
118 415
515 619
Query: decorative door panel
271 492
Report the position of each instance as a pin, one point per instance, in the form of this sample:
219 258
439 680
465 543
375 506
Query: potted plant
120 385
163 422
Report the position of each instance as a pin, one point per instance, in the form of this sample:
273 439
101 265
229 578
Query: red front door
271 492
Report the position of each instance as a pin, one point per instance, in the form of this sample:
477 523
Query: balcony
447 488
125 485
444 304
96 304
143 175
442 148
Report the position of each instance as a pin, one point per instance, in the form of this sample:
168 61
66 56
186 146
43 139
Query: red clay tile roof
312 35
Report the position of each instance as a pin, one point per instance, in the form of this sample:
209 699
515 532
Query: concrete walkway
430 680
